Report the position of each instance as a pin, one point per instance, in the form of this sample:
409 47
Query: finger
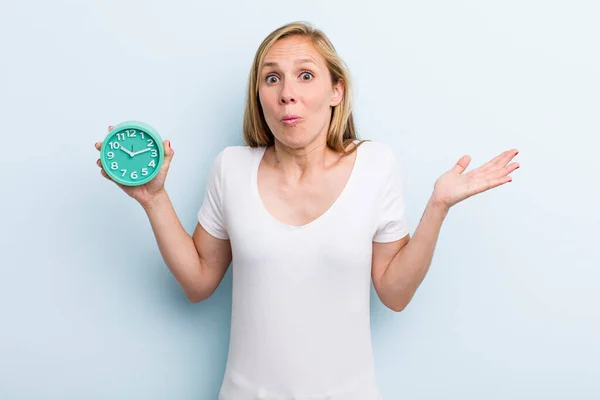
110 128
500 160
511 167
500 172
98 145
515 166
169 152
104 174
492 183
462 164
99 163
504 158
485 185
488 165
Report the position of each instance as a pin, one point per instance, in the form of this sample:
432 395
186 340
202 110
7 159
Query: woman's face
296 92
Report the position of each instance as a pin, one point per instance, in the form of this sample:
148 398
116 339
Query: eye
305 76
271 79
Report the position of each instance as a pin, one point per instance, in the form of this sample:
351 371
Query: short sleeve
211 213
392 223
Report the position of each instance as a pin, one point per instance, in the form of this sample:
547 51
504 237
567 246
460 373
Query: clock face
132 154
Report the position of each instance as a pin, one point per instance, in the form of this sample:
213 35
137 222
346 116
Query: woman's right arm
198 262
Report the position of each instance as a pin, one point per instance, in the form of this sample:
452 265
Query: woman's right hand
145 193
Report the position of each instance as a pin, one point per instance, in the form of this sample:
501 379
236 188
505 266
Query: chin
294 139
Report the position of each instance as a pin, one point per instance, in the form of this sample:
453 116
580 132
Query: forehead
293 48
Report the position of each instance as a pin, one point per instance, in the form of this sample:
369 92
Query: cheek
267 100
317 99
317 103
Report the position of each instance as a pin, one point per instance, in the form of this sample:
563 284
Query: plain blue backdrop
509 308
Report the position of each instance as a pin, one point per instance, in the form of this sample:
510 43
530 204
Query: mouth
290 120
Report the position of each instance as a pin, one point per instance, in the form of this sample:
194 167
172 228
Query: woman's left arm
400 267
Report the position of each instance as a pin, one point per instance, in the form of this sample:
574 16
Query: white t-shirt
300 325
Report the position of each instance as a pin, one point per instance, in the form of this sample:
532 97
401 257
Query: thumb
462 164
169 152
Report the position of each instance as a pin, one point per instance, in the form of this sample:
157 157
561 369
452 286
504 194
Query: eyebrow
299 61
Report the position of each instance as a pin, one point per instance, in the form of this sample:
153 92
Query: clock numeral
114 145
142 133
120 136
154 153
144 171
134 175
152 164
130 133
114 165
150 143
110 155
123 172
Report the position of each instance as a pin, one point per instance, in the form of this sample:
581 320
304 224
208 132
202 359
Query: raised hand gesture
454 186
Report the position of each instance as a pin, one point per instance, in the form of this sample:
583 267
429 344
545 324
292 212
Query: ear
337 94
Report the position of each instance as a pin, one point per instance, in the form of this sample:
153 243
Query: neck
298 162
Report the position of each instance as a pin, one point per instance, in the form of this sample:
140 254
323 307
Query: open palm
454 186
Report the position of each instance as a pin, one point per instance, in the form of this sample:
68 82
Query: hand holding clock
146 192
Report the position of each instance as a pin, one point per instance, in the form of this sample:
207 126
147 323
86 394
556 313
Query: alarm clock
132 153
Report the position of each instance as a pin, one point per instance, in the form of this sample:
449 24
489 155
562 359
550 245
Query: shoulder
379 154
232 156
379 147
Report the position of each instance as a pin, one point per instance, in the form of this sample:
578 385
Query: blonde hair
342 131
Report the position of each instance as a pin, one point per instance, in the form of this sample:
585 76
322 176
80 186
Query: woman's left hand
454 186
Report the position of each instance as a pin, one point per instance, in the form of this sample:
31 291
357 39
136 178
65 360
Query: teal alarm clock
132 153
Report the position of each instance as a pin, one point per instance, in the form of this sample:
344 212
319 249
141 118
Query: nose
288 95
287 100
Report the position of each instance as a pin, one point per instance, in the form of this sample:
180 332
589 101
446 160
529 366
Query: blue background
509 308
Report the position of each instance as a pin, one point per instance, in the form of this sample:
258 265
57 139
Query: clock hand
141 151
127 151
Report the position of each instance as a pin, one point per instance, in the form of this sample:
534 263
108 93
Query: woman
308 214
